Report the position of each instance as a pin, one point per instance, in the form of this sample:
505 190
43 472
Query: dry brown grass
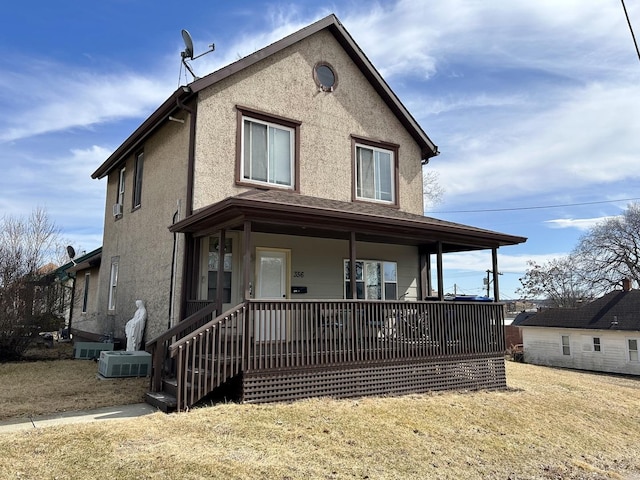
58 384
551 424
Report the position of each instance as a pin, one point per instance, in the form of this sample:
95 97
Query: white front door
272 269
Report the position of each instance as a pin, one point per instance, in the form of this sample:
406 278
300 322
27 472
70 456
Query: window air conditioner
124 364
117 209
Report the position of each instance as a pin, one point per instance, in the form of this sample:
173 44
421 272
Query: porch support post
220 276
423 288
496 288
352 264
440 273
190 269
246 262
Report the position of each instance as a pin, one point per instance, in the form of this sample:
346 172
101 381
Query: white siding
543 346
319 263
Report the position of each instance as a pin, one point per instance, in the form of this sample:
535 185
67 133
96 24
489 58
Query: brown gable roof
332 24
617 310
286 212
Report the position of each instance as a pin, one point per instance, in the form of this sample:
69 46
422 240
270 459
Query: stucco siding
283 85
141 239
543 346
86 321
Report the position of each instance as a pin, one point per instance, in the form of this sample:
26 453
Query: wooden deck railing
264 335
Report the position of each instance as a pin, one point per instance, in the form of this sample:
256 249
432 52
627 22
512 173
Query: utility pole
487 281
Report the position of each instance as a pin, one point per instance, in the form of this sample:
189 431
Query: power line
539 207
630 28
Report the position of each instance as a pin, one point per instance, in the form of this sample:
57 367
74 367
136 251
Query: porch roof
282 212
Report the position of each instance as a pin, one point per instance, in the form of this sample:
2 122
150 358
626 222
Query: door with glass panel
272 272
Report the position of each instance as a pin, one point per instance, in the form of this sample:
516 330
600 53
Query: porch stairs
195 358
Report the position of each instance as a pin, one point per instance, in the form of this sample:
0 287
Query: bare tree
557 281
610 251
26 245
433 191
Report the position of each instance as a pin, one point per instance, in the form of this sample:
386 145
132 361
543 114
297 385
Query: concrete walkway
66 418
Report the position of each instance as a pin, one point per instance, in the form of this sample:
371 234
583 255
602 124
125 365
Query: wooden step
162 400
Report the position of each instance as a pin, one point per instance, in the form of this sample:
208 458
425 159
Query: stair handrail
157 346
216 358
173 348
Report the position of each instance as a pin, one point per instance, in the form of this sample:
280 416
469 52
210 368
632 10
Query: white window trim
568 345
392 172
292 153
138 173
121 185
637 350
85 293
113 283
593 344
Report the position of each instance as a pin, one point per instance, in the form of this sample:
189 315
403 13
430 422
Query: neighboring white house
602 336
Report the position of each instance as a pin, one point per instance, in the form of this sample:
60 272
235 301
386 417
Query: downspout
174 255
186 264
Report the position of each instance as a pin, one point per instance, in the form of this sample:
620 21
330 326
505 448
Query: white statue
134 329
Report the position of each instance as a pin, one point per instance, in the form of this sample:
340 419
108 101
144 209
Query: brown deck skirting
375 379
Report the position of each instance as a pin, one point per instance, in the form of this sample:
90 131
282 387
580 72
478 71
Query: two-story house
270 216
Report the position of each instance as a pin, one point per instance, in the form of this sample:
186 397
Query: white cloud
480 261
62 97
577 223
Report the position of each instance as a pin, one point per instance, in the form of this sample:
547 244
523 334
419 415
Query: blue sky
531 103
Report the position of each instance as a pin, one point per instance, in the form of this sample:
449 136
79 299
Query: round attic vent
325 77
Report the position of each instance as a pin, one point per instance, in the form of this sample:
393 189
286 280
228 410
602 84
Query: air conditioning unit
117 209
124 364
90 350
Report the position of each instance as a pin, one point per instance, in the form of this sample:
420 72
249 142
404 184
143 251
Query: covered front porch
395 336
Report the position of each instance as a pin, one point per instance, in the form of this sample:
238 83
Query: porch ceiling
283 212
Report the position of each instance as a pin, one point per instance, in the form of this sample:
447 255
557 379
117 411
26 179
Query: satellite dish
72 253
188 45
187 53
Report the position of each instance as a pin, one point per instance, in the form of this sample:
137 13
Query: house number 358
298 274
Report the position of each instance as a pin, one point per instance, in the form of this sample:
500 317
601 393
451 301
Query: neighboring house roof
88 260
618 310
521 317
333 25
285 212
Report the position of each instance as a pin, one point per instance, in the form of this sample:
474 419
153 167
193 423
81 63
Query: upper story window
268 150
375 168
117 207
137 180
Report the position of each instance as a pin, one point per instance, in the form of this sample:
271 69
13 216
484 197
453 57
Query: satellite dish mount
187 53
72 254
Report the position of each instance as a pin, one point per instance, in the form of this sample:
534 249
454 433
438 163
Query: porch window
113 282
267 153
375 280
85 295
566 349
137 181
212 281
375 171
632 343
